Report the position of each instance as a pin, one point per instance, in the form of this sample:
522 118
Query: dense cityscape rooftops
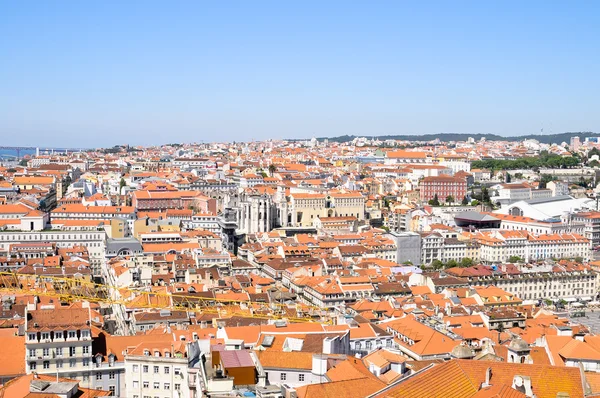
303 268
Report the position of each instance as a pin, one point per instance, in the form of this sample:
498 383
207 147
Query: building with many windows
59 341
306 208
443 186
159 368
76 233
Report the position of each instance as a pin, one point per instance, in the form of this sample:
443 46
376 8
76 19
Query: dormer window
156 353
147 353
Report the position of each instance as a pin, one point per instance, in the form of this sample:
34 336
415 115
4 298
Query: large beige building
305 208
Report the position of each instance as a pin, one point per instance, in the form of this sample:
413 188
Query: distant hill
445 137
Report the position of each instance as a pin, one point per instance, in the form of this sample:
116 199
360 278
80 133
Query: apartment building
164 200
196 163
455 249
443 186
402 156
160 369
323 292
59 341
591 225
431 247
22 217
294 370
535 282
92 237
558 188
206 221
520 223
456 163
515 192
83 212
499 246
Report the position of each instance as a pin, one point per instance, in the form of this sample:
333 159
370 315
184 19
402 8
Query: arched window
516 211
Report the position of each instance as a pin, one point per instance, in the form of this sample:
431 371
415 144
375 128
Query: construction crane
69 290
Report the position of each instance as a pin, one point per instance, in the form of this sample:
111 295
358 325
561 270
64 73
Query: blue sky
77 73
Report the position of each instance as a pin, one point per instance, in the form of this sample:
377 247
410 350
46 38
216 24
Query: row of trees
449 200
545 160
468 262
465 262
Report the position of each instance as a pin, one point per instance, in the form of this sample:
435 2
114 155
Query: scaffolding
70 290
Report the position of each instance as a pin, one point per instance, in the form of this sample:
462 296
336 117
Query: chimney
523 384
319 364
488 377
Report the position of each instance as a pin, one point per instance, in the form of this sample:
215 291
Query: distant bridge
39 150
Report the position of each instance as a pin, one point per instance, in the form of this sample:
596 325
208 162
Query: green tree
485 195
578 259
466 262
122 184
272 169
449 199
437 264
544 159
23 163
545 179
435 201
593 151
508 178
451 264
594 163
519 176
474 203
465 201
515 259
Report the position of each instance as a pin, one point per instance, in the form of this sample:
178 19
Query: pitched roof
462 378
285 360
347 388
445 380
236 359
13 352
